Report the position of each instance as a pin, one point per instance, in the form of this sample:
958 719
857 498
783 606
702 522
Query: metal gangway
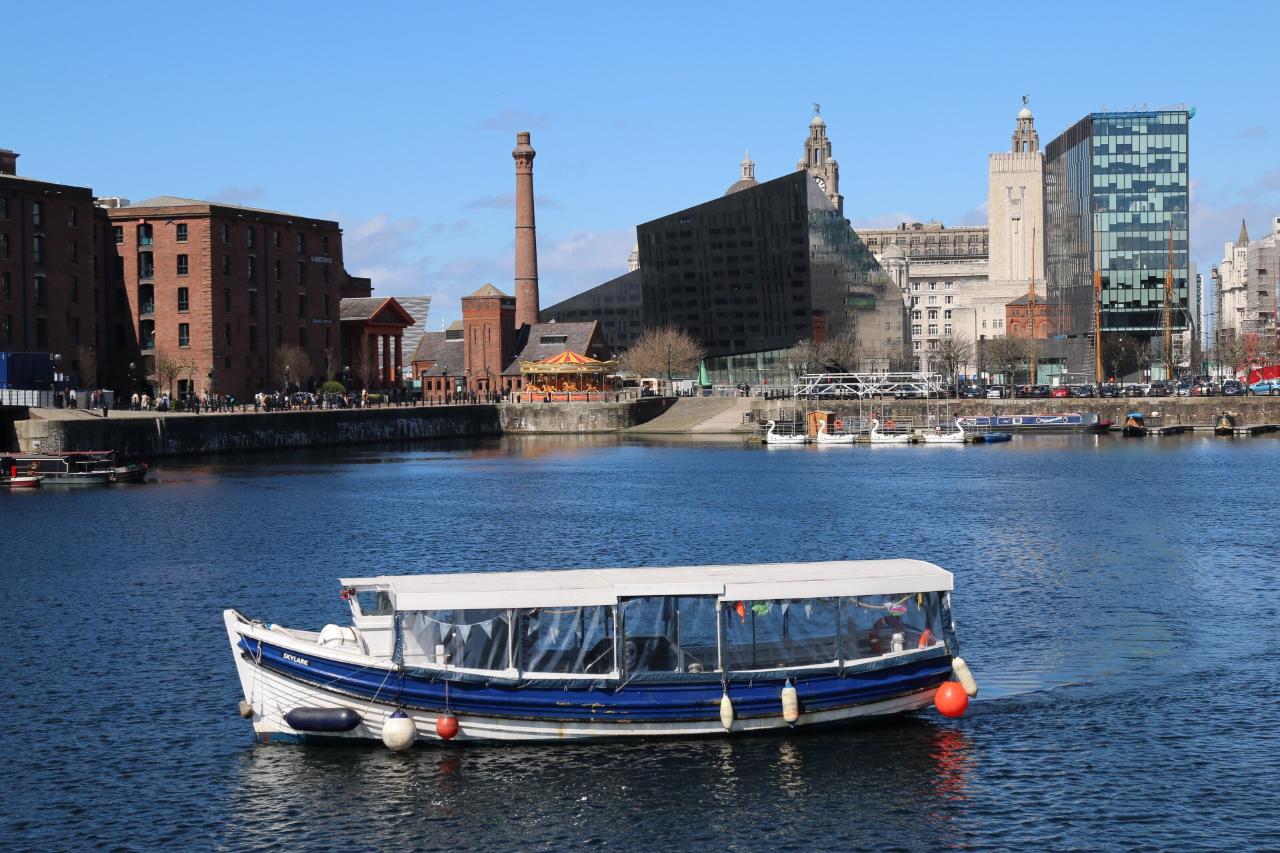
865 385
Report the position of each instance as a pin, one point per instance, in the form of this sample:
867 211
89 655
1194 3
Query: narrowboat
1225 424
579 654
1068 422
81 468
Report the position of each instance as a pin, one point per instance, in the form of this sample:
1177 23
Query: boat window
567 639
779 634
467 639
669 634
374 602
879 624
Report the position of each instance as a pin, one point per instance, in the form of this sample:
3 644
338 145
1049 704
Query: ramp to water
699 415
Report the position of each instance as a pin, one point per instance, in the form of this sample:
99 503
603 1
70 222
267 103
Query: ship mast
1168 309
1097 303
1031 316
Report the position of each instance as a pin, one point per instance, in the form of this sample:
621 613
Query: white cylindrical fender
964 676
399 732
790 704
246 709
726 711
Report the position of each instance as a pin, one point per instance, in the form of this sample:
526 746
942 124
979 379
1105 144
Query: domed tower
817 160
1025 138
748 177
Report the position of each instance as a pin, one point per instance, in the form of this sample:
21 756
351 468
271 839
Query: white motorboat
825 437
875 436
940 437
607 653
772 437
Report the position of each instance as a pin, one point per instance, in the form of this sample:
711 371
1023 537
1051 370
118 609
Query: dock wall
143 436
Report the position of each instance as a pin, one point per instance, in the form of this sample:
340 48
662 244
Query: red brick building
51 295
1049 320
227 298
483 352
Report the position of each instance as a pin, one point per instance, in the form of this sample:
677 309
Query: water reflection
714 793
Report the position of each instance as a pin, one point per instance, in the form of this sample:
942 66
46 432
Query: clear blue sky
399 119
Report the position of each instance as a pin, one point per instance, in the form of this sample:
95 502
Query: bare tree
839 353
168 370
663 349
953 353
1119 354
330 364
1144 355
1007 354
291 364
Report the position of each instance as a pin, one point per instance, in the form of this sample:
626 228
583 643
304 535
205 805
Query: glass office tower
1115 193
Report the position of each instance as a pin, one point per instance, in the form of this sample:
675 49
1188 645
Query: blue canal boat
577 654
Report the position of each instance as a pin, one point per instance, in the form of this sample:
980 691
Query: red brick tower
527 308
489 330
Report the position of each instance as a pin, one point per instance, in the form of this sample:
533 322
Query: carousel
567 377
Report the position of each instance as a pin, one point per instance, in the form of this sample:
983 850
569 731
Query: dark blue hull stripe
635 702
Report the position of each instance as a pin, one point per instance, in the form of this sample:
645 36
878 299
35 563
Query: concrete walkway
707 415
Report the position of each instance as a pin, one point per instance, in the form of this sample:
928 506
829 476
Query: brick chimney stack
8 162
527 307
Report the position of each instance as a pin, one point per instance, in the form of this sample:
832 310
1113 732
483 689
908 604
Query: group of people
99 401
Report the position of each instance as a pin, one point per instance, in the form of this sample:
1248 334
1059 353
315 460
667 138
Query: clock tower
817 160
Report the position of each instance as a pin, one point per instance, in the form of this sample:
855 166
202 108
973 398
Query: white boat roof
585 587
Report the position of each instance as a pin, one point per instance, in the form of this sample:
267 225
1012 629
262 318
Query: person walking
102 399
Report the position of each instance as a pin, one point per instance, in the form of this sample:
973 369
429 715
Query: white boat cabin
612 623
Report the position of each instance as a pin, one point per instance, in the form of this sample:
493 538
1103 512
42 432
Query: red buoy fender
950 699
447 726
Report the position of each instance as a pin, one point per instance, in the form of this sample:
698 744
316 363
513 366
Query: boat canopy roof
586 587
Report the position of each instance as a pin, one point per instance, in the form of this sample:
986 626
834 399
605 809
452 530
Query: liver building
822 167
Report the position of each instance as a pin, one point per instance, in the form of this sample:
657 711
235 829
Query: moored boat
940 437
825 437
1134 426
772 436
577 654
875 436
1225 424
81 468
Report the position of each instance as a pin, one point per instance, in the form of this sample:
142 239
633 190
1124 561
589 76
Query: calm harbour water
1116 600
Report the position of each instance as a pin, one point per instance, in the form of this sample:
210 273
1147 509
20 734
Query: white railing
864 385
20 397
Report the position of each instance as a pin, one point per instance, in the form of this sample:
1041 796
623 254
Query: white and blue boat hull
280 672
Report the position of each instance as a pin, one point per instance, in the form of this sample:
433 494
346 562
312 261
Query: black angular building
749 275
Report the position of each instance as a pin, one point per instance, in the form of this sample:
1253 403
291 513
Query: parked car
1059 391
972 391
995 392
1084 390
1233 388
1158 389
1132 390
1265 387
911 394
1183 389
1204 389
1110 389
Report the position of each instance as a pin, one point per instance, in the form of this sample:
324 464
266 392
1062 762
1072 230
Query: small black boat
1225 424
1134 426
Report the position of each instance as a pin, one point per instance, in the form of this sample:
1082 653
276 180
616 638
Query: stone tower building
817 159
1015 206
527 308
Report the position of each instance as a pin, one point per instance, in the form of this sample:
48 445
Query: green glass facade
1115 192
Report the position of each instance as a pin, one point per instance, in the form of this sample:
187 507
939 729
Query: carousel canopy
567 362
